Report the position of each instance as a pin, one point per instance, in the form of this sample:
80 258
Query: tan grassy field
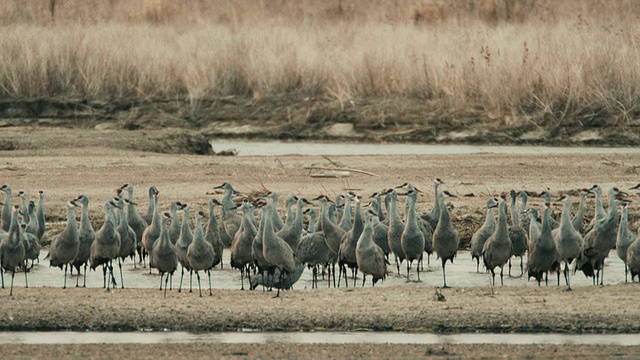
537 64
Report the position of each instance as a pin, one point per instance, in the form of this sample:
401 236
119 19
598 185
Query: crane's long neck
213 223
227 201
546 223
393 210
580 213
122 216
523 202
85 223
599 207
186 214
155 220
358 224
490 219
198 234
514 213
152 204
411 211
14 227
346 215
312 222
502 218
566 213
436 207
444 217
378 206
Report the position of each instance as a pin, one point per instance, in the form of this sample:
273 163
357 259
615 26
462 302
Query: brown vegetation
500 62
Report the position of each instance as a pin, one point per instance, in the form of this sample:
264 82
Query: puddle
275 148
34 338
462 273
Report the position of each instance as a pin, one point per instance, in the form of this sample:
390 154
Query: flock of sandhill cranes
276 252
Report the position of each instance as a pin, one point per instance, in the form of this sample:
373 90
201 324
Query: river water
35 338
277 148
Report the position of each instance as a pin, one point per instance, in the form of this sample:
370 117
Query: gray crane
291 232
135 221
64 248
578 220
6 210
433 216
42 223
86 237
212 234
200 252
241 257
182 244
276 251
127 239
445 237
534 227
12 251
175 229
624 239
106 246
543 257
370 256
497 249
152 232
517 234
164 254
396 227
412 238
484 232
633 257
347 250
567 239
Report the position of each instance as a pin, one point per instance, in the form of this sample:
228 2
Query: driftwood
340 169
331 174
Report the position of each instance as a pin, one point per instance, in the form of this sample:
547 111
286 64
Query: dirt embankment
406 119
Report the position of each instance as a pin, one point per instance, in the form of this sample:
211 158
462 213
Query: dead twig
340 169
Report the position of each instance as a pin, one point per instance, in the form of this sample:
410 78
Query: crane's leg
191 281
521 266
64 286
161 274
13 275
182 276
418 270
199 288
501 275
509 267
364 277
444 274
408 267
166 282
26 281
84 282
209 273
78 278
104 275
121 278
478 265
566 275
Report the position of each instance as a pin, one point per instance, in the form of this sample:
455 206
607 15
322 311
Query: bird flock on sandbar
272 252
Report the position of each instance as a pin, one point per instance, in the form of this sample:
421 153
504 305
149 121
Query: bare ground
66 162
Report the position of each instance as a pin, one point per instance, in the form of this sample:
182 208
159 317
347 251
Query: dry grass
512 60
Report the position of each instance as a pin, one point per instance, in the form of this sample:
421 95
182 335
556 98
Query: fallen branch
340 169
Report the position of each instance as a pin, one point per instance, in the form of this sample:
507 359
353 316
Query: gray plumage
106 245
578 220
182 243
135 221
484 232
292 230
230 221
633 257
127 239
86 237
543 257
276 251
412 238
175 229
497 249
313 220
518 236
598 241
32 226
6 210
152 232
164 255
148 216
42 223
370 256
212 234
12 250
332 232
522 211
381 232
624 239
567 239
200 253
314 252
396 227
241 256
277 220
534 227
345 221
64 248
445 238
433 215
347 250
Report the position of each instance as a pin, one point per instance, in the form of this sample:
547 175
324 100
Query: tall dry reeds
512 58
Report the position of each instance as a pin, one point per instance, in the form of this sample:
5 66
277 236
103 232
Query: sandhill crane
445 238
423 225
292 230
152 232
212 235
106 246
380 231
332 232
578 220
567 238
547 199
370 256
24 207
276 251
340 205
412 239
517 234
600 213
522 211
257 246
543 257
277 220
148 216
377 200
633 257
433 216
484 232
599 240
175 229
396 227
230 219
624 239
182 244
497 249
313 220
314 252
135 221
200 252
42 223
345 221
86 237
64 248
534 227
127 239
241 245
347 250
30 240
6 210
32 225
12 251
163 255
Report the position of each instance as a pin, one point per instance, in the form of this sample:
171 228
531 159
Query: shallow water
275 148
462 273
33 338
